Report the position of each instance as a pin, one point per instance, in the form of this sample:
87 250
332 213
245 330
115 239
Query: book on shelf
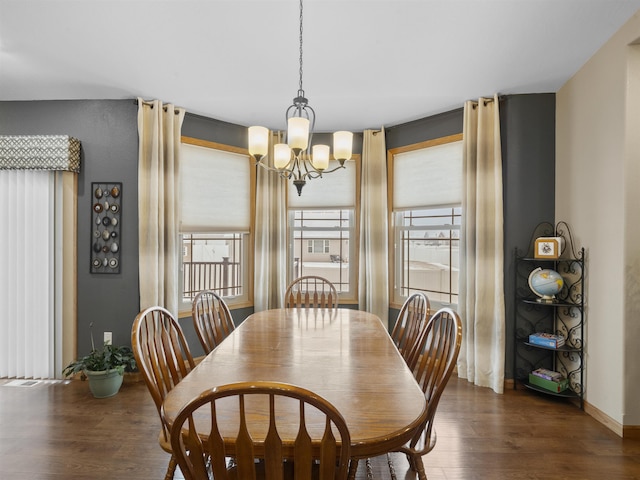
549 385
548 374
546 340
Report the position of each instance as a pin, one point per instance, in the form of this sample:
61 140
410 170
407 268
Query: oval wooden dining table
344 355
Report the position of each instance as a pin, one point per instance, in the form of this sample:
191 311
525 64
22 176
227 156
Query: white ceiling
367 63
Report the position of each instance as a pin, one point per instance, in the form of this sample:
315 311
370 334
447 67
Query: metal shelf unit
564 316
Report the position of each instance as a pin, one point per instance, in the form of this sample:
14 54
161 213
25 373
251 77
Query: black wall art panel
106 214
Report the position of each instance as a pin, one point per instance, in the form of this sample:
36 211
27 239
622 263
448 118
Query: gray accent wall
527 124
107 130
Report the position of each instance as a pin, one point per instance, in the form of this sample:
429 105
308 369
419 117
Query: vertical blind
29 293
428 177
215 190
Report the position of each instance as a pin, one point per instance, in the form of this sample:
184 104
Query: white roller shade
215 190
428 177
334 190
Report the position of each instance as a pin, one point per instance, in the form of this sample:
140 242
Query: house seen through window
321 245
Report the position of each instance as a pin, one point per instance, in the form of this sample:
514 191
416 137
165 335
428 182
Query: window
217 185
326 234
323 229
318 246
428 243
426 182
214 262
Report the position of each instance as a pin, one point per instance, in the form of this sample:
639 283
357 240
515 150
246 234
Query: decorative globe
545 283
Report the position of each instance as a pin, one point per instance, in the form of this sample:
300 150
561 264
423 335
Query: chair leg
171 469
418 466
353 468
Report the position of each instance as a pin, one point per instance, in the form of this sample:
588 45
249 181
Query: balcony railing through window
212 262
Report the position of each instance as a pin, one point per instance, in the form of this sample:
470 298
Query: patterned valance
39 152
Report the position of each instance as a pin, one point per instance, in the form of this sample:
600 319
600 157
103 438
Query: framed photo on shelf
547 247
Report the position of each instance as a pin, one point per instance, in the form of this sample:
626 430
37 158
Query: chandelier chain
301 46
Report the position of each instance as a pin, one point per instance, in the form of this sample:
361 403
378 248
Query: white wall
598 195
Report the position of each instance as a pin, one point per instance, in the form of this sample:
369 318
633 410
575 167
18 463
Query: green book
551 385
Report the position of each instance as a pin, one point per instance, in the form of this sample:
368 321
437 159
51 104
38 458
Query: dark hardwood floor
59 431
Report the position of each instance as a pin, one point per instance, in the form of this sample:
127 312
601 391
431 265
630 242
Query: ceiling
366 63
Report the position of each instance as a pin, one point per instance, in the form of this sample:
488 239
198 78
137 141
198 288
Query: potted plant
104 368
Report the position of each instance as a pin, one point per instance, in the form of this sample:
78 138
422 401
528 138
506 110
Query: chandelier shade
281 155
298 133
258 142
299 159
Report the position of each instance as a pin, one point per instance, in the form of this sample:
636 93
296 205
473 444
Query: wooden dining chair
211 318
164 359
321 453
311 291
438 345
410 323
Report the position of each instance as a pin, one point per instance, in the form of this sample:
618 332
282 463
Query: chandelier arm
309 170
312 127
284 172
334 169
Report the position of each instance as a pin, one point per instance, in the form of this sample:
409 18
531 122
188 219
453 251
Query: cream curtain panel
373 281
271 237
481 304
159 131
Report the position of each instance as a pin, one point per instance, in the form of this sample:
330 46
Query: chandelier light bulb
320 158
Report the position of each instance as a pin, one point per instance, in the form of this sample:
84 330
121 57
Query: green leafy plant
108 358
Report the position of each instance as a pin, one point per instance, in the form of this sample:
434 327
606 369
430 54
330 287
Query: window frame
246 299
395 298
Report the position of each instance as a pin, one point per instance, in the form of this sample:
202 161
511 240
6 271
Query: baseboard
624 431
603 418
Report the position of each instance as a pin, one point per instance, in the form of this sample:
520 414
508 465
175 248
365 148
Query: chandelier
292 160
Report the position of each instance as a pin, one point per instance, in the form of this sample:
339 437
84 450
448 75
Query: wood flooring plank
59 431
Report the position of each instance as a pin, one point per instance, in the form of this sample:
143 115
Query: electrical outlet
108 337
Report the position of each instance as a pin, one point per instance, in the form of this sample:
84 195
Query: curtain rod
487 100
135 102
